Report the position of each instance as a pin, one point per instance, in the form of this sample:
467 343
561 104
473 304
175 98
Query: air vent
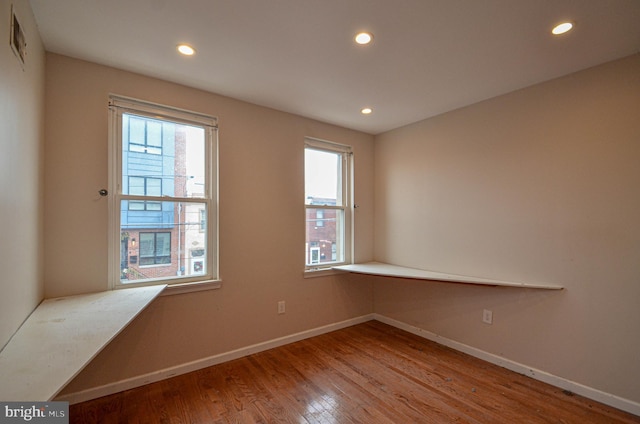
18 40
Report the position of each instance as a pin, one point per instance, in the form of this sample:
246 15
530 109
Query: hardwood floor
368 373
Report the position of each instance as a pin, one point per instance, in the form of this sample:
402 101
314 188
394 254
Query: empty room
305 211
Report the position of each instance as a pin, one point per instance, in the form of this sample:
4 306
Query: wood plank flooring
368 373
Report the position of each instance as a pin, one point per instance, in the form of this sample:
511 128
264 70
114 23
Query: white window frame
119 105
346 153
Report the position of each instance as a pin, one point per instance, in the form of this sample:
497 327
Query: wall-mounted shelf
387 270
61 336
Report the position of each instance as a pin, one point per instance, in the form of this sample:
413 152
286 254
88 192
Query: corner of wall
21 171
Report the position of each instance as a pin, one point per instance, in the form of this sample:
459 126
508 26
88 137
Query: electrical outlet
487 316
281 307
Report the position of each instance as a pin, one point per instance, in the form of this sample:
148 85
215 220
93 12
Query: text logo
34 412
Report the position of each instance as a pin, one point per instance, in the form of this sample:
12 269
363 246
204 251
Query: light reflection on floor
324 409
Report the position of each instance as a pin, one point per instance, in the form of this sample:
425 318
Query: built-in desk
61 336
387 270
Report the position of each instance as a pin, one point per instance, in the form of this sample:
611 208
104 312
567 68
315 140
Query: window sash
154 110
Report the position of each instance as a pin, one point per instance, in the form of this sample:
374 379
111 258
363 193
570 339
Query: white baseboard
130 383
562 383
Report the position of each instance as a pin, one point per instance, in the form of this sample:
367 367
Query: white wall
262 228
538 185
21 158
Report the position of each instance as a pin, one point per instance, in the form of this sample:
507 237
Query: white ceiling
427 57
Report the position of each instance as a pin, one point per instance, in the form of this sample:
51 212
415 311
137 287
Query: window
163 208
155 248
203 220
320 217
143 135
145 186
327 179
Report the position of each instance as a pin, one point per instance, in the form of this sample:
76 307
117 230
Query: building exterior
158 238
322 232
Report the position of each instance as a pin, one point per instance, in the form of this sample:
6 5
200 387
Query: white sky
321 174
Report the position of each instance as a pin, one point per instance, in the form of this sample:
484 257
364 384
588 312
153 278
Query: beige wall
21 157
261 223
538 185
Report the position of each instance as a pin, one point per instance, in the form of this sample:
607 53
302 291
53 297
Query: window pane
320 218
136 130
322 177
153 206
168 159
194 161
141 134
136 186
323 242
154 187
136 206
147 243
154 133
163 248
203 220
170 241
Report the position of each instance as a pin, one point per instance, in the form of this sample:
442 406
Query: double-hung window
163 185
328 202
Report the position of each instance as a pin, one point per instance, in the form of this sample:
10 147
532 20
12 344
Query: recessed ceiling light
364 38
186 49
366 111
562 28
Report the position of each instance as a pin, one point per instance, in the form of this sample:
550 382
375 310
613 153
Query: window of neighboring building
328 202
155 248
145 186
144 135
163 209
203 220
319 217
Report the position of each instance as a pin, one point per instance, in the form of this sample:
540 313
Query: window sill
192 287
320 272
